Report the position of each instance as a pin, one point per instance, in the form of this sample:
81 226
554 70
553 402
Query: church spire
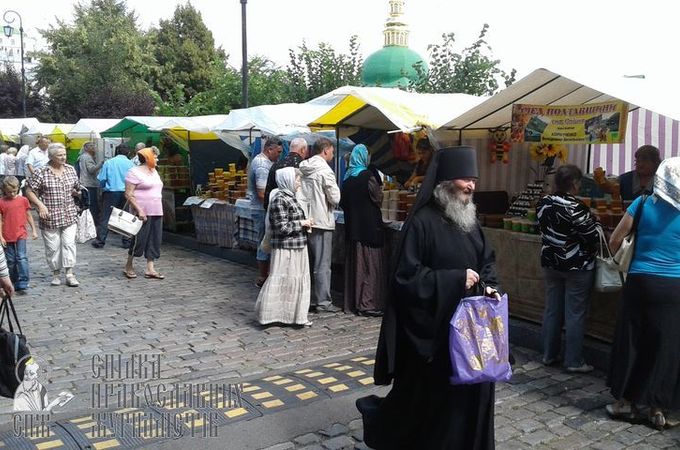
396 31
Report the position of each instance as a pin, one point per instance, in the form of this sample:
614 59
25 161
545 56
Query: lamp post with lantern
9 30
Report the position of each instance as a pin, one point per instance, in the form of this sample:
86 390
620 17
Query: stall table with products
518 262
215 222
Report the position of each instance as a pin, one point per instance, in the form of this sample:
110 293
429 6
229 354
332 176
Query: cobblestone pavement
200 319
541 408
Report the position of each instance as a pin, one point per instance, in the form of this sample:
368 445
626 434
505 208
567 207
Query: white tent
652 110
90 128
392 109
46 129
12 129
273 120
195 124
543 87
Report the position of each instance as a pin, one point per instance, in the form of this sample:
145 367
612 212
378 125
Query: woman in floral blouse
284 297
52 189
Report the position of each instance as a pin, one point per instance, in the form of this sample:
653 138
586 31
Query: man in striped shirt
5 282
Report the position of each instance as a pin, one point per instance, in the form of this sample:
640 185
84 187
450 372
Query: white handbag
122 222
607 276
624 255
86 229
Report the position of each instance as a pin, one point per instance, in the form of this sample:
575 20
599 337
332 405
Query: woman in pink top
143 190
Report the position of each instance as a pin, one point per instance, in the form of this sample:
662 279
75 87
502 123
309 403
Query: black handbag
13 351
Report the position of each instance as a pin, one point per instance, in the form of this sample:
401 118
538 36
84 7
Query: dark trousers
109 200
95 208
148 241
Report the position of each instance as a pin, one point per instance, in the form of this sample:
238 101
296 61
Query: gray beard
460 212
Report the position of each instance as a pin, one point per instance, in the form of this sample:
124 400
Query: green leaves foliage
103 51
314 72
471 71
185 52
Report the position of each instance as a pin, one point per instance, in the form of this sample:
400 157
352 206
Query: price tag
190 201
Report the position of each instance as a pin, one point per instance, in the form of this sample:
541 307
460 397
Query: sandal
129 275
657 419
154 275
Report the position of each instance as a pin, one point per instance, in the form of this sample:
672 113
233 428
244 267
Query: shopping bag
86 229
478 341
607 275
624 255
13 350
124 223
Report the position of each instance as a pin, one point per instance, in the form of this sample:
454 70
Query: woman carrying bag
52 189
143 191
645 357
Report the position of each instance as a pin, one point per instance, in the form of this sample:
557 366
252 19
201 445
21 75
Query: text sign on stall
593 123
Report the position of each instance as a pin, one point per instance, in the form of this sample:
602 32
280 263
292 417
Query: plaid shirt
55 193
286 216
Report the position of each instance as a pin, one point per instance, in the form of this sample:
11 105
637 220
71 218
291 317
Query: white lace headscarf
667 181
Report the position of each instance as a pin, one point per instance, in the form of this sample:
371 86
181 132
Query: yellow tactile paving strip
261 396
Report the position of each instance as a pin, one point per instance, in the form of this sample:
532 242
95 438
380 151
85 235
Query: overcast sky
592 37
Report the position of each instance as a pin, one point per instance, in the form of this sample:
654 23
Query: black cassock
423 411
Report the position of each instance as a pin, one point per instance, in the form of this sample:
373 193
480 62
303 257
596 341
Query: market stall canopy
135 124
49 129
273 120
391 109
543 87
91 128
12 129
197 128
195 124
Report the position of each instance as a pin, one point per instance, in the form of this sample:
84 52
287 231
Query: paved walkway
200 321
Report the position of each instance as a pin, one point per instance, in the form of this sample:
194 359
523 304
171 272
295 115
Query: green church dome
392 66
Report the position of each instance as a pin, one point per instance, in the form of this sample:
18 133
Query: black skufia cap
457 162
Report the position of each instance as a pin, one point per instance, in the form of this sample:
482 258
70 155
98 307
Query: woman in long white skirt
284 297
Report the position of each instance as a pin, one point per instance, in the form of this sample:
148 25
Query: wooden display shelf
518 262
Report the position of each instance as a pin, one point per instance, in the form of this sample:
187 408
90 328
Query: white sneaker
56 281
583 368
71 280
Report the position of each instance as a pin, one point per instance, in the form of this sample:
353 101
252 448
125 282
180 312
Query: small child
15 212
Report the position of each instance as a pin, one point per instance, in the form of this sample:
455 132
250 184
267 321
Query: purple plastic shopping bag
478 341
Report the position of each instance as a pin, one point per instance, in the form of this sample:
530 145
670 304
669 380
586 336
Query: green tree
472 71
102 52
267 85
10 96
185 51
314 72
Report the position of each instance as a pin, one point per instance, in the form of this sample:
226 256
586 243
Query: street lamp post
244 67
8 29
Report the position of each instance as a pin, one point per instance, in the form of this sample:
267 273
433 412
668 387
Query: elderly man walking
297 153
257 183
37 157
89 169
320 196
111 178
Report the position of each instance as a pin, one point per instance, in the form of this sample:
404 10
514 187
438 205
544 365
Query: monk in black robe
442 257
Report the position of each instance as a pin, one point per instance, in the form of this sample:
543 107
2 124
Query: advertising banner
593 123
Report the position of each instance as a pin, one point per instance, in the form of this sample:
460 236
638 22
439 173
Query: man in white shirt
3 156
37 157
